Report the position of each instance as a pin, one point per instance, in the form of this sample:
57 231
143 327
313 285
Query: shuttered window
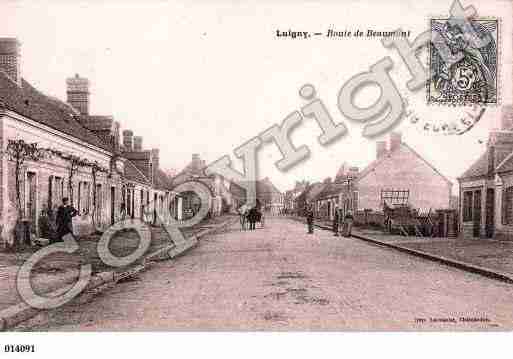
507 206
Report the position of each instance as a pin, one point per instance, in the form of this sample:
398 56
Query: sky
206 76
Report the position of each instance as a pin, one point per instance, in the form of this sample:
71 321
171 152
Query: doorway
490 212
477 214
112 205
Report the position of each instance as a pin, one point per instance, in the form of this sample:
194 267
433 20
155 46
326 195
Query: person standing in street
252 218
64 220
310 219
348 219
335 222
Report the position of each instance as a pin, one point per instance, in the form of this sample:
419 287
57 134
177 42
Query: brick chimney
381 149
10 58
127 140
155 158
196 162
138 143
78 93
395 141
115 135
507 117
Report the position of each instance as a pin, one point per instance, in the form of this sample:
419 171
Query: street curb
444 260
473 268
21 312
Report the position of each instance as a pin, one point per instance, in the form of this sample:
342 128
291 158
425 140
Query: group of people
342 224
250 215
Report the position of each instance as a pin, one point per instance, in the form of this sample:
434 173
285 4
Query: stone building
398 168
308 198
221 198
331 197
79 156
486 187
268 196
291 195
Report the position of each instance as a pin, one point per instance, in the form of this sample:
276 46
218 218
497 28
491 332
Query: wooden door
477 213
490 212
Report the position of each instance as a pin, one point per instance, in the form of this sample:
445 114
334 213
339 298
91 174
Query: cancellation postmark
463 62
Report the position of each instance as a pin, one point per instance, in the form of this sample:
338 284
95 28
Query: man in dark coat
310 219
252 217
64 219
335 222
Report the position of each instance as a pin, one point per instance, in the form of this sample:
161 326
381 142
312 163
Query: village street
280 278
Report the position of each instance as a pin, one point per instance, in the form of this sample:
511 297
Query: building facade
52 149
221 198
486 188
400 169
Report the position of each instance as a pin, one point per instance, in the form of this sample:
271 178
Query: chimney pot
155 155
10 58
395 140
78 93
381 149
127 140
138 140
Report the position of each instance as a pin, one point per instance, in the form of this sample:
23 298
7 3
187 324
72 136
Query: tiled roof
311 192
332 189
478 168
506 166
132 173
97 123
371 166
49 111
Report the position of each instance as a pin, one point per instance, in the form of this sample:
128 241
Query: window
467 206
55 192
507 206
84 197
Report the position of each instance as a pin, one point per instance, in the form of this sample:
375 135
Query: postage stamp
472 78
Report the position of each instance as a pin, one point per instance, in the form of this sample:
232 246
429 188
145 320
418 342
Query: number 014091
19 348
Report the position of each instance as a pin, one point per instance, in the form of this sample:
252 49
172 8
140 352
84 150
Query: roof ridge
44 109
504 161
426 162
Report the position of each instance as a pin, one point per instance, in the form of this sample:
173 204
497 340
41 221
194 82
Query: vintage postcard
243 166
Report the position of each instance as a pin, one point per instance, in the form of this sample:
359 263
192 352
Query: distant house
307 198
269 197
331 197
397 169
486 189
291 195
219 189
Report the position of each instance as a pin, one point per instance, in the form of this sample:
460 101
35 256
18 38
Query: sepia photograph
255 174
